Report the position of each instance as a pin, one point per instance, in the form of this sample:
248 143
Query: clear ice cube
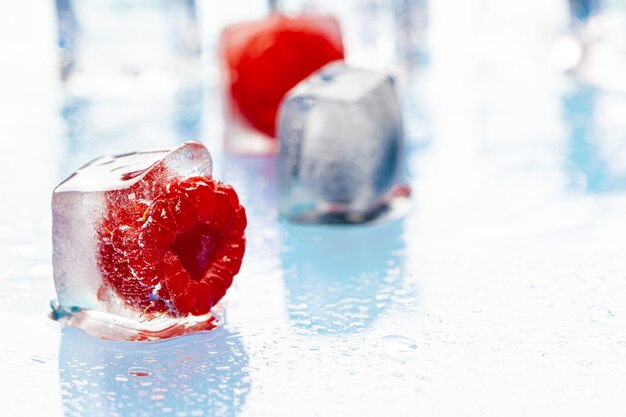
341 145
128 50
79 205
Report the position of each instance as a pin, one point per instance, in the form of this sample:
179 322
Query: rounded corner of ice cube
190 158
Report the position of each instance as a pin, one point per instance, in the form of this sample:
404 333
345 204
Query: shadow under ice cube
341 146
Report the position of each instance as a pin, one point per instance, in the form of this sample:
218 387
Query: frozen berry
266 59
176 254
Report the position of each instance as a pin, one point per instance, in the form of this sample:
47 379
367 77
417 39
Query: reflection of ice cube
79 206
334 290
177 377
341 143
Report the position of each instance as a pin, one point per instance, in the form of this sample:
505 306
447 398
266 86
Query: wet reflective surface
501 292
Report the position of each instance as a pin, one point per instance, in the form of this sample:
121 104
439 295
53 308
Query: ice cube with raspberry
146 235
261 61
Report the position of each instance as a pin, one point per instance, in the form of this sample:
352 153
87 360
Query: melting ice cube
341 145
261 61
146 235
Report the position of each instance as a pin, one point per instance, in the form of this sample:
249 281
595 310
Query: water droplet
399 347
157 397
149 360
121 378
548 360
600 314
38 359
139 371
118 356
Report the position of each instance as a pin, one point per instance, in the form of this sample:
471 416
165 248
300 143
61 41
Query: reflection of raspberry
172 248
266 59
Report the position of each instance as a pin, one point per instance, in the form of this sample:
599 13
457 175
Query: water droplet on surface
548 360
600 314
38 359
399 347
121 378
139 371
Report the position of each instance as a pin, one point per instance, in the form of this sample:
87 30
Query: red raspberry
267 59
173 248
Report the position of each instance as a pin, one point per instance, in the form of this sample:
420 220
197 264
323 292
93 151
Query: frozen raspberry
175 247
266 59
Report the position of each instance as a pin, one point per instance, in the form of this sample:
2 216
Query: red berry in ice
176 254
267 59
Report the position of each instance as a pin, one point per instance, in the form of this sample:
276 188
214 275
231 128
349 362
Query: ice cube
261 61
341 145
146 235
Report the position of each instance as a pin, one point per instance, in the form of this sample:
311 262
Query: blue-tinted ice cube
341 145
